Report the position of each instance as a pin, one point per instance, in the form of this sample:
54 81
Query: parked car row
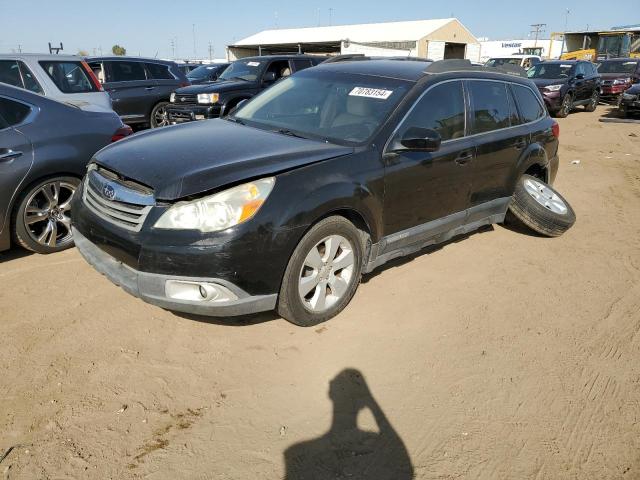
567 84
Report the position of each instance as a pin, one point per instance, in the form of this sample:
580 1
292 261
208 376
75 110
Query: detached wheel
565 107
323 273
41 220
159 116
541 208
593 103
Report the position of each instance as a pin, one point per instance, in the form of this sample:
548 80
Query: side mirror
269 77
419 139
580 76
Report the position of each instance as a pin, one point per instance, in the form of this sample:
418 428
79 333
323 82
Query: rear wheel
323 273
541 208
565 107
593 102
41 220
159 116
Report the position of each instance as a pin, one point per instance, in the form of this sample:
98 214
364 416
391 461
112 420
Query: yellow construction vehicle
595 46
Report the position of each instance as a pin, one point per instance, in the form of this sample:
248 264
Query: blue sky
147 27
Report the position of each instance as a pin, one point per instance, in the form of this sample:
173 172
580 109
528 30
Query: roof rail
443 66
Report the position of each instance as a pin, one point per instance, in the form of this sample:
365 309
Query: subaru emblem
109 192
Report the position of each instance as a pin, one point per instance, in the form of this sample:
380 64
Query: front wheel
41 220
323 273
593 102
566 107
159 116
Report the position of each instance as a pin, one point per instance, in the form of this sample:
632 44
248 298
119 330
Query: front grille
130 216
185 98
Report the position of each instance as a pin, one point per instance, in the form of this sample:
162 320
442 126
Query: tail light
121 133
92 76
555 129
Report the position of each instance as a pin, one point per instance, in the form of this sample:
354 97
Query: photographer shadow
346 451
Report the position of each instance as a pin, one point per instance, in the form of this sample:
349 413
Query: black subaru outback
240 81
325 176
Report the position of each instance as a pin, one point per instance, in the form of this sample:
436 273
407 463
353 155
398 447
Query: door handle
9 155
149 88
464 157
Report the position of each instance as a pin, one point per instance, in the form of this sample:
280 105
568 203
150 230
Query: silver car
65 78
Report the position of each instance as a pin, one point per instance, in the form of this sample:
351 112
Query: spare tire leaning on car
541 208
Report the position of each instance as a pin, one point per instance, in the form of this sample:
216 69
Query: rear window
158 71
13 112
127 71
69 76
528 104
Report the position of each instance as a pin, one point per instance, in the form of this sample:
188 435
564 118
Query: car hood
634 89
217 86
543 82
184 160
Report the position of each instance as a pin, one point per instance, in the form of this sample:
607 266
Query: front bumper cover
150 287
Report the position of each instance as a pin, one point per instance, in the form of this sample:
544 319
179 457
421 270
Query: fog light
198 291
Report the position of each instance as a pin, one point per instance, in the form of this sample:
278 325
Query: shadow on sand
346 451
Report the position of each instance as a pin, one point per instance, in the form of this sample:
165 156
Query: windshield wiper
286 131
234 120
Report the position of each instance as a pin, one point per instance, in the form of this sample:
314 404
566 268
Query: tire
551 220
593 103
158 117
312 309
566 107
50 214
623 112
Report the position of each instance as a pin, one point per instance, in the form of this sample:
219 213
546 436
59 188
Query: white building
434 39
506 48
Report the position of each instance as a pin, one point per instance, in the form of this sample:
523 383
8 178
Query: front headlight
220 211
629 96
172 97
208 97
553 88
622 81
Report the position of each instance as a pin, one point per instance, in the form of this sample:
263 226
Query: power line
536 30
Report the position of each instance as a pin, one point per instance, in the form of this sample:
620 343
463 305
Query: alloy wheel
545 196
326 273
46 217
160 117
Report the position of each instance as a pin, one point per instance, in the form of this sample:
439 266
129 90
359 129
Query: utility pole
537 29
330 15
318 15
210 52
19 48
193 29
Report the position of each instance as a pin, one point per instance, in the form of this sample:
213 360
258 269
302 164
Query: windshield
244 69
617 66
614 45
340 108
203 71
496 62
551 70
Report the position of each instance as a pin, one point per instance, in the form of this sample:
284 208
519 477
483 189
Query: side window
127 72
534 61
29 80
13 112
440 109
528 104
489 106
98 70
10 73
158 71
280 68
301 64
580 70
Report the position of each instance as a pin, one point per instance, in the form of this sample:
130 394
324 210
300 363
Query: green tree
118 50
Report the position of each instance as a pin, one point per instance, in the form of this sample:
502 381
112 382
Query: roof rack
444 66
360 56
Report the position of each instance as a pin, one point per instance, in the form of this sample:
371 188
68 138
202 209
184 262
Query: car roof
564 61
401 70
41 56
133 59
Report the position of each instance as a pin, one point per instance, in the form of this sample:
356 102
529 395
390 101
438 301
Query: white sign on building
506 48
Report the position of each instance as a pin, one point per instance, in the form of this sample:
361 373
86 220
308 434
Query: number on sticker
370 92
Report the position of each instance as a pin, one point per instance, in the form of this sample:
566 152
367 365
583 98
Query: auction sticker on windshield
253 64
370 92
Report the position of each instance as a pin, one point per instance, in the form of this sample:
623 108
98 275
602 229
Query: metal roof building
436 39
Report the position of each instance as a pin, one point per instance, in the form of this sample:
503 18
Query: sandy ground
504 355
